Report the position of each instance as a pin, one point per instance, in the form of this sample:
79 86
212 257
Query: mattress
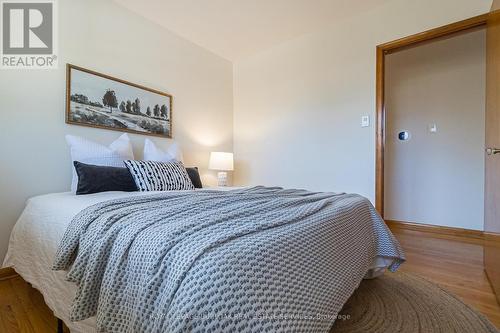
37 234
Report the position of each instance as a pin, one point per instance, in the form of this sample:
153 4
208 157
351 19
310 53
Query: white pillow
90 152
153 153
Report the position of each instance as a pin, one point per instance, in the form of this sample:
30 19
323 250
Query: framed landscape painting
102 101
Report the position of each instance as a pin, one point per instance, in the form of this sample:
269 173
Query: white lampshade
221 161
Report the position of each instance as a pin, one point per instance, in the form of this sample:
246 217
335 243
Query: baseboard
491 236
7 273
435 229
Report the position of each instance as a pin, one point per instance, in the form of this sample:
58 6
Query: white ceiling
235 29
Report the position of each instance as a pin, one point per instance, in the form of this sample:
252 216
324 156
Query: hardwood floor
22 309
455 263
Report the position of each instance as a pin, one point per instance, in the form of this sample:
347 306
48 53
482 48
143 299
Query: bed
256 272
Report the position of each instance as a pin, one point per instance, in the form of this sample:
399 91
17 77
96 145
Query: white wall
298 105
437 178
105 37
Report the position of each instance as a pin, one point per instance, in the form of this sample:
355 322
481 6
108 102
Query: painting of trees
99 100
137 106
109 100
164 111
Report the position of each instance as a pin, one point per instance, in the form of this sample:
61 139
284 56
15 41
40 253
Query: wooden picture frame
101 101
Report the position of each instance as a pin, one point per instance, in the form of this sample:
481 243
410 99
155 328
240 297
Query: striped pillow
159 176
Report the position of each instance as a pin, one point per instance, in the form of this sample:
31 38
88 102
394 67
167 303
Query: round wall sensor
404 136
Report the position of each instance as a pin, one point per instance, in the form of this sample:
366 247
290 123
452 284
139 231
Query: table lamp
221 162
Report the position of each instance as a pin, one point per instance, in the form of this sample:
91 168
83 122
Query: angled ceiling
235 29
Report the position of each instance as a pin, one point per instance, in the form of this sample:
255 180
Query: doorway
383 52
490 237
435 132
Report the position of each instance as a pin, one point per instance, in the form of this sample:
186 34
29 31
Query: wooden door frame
391 47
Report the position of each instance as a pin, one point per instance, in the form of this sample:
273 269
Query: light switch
365 121
433 128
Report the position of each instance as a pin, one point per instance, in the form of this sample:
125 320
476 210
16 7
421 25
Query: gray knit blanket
249 260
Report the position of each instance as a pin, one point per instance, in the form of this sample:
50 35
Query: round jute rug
406 303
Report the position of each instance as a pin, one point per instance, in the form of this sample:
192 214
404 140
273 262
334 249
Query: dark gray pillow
95 179
194 175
